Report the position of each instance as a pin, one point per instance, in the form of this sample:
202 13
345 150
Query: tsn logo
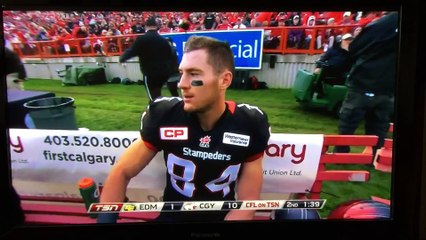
174 133
100 207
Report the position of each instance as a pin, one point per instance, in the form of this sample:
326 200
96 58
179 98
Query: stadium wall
277 73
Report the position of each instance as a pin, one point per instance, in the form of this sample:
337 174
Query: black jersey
203 165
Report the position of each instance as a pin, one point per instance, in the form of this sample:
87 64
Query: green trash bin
52 113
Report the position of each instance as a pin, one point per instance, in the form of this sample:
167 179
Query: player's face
194 67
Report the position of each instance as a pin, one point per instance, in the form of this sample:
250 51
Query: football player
213 148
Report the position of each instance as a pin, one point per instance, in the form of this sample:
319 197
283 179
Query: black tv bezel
409 135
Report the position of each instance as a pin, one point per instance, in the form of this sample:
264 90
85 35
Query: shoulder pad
157 109
164 103
250 109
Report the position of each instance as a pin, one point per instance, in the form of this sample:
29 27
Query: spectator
200 165
296 35
112 42
171 25
64 45
371 80
356 31
329 35
321 20
183 26
264 16
164 27
309 34
209 21
217 21
196 25
368 17
84 41
154 55
137 27
128 40
347 19
42 35
281 16
114 30
273 37
334 65
225 25
98 44
239 24
254 23
289 21
246 19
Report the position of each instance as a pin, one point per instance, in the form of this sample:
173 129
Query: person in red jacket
225 25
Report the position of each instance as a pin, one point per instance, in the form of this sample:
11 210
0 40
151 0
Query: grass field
109 107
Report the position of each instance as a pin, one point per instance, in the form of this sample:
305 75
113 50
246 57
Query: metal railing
312 43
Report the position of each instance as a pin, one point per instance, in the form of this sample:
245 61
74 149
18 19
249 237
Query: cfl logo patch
129 208
174 133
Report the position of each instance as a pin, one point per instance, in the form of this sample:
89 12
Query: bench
51 210
383 158
328 157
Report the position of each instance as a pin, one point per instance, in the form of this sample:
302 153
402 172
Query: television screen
316 136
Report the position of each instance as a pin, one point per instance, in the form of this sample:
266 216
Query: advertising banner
65 156
247 45
290 162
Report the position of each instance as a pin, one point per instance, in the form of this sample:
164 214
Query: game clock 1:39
314 204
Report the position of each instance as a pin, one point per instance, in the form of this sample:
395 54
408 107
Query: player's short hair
220 55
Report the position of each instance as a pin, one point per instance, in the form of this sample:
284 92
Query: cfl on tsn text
205 206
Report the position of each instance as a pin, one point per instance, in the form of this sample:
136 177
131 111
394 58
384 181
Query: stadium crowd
88 26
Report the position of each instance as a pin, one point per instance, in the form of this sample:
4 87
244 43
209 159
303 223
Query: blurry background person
334 65
309 33
347 19
172 82
356 31
371 80
13 214
239 24
209 21
329 35
14 70
154 55
296 35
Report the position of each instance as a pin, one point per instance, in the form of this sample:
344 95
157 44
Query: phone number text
85 141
